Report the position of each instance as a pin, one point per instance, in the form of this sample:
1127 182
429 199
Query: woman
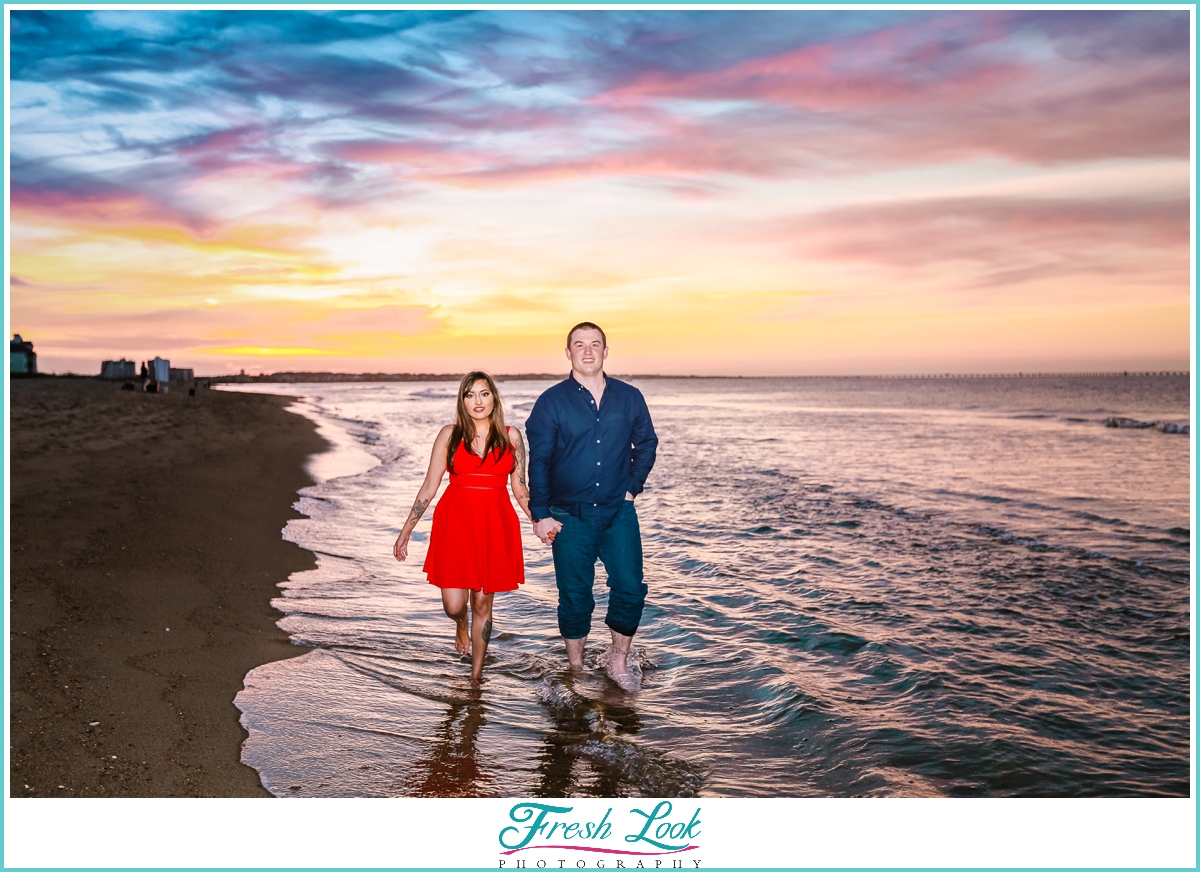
475 544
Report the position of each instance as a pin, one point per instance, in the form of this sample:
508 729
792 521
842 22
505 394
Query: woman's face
479 400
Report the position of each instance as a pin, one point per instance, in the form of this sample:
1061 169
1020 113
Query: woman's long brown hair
464 424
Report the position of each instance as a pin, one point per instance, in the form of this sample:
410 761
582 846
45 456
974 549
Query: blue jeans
619 547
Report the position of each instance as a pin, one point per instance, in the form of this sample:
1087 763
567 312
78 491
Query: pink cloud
90 202
224 143
998 241
946 89
1144 115
1050 118
425 157
679 149
927 62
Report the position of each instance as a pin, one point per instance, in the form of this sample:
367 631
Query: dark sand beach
130 514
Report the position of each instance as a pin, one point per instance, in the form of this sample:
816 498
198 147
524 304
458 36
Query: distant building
21 356
118 369
182 375
160 370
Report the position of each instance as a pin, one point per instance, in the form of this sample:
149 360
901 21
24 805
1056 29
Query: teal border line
6 777
848 5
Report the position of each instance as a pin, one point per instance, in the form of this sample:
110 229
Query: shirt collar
578 386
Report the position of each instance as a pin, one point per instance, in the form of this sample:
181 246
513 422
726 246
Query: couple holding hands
591 446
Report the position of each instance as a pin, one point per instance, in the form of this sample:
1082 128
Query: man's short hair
587 325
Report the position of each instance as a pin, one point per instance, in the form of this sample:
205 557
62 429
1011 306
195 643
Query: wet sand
145 550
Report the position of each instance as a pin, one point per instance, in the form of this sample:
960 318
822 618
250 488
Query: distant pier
1009 374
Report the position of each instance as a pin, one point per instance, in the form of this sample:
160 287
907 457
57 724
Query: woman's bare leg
481 630
454 601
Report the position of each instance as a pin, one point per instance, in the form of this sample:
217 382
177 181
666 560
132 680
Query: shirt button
597 441
597 462
597 484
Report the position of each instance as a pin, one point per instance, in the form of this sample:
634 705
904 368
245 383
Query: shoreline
146 546
375 377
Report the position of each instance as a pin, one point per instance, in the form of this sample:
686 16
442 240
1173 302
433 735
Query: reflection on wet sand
451 767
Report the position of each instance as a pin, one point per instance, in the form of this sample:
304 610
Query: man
591 446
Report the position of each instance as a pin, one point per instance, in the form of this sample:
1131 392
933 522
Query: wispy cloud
990 231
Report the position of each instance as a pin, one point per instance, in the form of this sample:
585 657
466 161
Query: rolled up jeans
619 547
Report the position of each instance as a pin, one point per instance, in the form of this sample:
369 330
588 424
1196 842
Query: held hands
546 529
401 547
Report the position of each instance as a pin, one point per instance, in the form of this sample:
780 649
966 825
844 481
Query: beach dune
145 550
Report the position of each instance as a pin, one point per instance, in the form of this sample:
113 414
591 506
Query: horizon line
327 376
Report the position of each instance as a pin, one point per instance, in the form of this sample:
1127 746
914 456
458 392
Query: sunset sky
748 192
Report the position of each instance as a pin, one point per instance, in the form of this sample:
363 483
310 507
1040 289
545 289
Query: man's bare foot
617 662
624 669
462 637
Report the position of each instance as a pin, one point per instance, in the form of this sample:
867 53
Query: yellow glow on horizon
438 292
265 351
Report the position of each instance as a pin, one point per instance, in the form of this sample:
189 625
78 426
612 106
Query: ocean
858 587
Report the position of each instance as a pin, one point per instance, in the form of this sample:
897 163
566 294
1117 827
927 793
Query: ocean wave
1007 538
559 697
650 772
1037 545
1161 426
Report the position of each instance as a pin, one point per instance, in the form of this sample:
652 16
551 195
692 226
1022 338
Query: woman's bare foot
462 637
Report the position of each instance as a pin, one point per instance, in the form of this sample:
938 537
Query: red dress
476 537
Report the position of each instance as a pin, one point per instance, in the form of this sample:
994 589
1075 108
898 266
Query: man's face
586 352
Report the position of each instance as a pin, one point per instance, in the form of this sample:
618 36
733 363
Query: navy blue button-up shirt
584 459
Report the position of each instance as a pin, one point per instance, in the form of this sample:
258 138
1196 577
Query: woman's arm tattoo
418 510
519 451
520 487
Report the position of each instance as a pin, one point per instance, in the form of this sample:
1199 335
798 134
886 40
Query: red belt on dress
499 486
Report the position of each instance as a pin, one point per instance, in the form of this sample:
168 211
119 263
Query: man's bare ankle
575 652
